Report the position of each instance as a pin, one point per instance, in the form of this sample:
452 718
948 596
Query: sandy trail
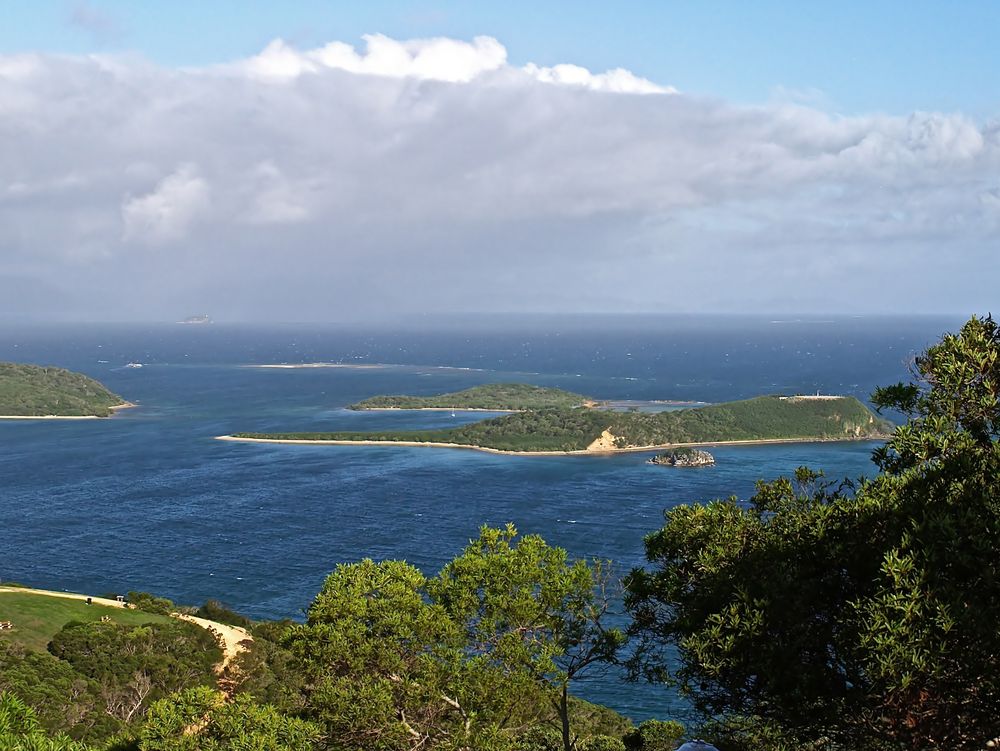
231 637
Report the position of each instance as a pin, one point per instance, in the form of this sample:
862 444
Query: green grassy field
37 618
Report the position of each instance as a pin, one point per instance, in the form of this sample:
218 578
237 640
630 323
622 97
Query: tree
859 617
379 660
200 719
135 665
532 612
465 660
21 731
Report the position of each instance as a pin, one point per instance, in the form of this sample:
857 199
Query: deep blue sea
148 500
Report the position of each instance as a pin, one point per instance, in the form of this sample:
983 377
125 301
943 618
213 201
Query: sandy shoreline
126 405
577 452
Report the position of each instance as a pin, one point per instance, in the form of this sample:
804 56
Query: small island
683 457
34 392
493 397
578 430
200 319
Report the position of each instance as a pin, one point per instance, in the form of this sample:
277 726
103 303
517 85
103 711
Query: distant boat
133 365
203 318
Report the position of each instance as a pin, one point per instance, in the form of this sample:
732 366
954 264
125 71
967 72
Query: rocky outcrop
684 458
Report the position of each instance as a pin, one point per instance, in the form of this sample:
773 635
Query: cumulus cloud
165 213
434 175
437 59
617 80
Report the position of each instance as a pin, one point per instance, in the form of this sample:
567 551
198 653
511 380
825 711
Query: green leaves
861 618
464 659
201 719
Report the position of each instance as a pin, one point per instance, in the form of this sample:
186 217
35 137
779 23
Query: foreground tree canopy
862 617
481 656
469 659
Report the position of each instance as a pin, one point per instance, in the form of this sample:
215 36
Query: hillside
560 429
502 397
34 391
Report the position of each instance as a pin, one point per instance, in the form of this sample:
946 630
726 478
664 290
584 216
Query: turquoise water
149 500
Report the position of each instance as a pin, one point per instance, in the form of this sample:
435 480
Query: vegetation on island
851 616
501 397
761 418
35 391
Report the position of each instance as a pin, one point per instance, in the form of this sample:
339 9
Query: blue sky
848 57
327 160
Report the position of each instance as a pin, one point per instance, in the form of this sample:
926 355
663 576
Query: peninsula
32 391
561 430
493 397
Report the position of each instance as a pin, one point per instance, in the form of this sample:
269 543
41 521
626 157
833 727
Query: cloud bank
432 175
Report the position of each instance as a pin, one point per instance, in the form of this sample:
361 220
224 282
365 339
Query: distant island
32 391
580 430
684 457
493 397
201 318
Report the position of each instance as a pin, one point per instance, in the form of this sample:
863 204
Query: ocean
149 500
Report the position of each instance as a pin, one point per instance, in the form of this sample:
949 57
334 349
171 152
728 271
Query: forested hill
513 397
761 418
34 391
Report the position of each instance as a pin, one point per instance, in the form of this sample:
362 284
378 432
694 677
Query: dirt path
231 637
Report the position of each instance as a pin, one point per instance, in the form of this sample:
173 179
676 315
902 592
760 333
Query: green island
493 397
560 429
36 391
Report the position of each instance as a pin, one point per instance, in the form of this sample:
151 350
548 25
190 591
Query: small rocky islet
683 457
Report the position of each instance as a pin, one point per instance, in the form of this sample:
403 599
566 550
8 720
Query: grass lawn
37 618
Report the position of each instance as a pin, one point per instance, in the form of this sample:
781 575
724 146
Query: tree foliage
20 729
136 665
816 616
467 659
200 719
30 390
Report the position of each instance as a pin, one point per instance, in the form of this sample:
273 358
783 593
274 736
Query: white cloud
617 80
436 59
432 174
165 214
274 199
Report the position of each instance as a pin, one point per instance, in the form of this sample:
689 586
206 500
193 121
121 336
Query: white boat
133 365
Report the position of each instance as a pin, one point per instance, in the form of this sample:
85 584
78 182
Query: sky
327 161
